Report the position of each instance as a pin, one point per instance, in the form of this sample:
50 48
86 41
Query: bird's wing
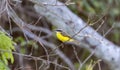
65 34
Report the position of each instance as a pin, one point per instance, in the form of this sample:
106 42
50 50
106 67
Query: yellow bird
62 36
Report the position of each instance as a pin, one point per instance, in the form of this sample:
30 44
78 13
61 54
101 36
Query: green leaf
6 47
3 66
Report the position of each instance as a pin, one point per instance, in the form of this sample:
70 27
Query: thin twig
86 60
109 30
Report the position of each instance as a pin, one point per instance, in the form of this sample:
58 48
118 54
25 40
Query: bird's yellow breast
62 37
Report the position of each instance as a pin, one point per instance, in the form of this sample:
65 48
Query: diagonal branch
26 30
61 17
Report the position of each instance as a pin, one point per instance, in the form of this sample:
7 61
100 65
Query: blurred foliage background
91 11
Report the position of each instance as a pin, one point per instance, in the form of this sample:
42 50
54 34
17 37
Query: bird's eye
58 30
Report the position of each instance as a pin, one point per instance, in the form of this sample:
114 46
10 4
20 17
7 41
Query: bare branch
60 16
26 30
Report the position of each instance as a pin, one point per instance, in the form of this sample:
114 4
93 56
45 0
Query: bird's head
58 30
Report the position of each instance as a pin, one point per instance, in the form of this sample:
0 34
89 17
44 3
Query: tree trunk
61 17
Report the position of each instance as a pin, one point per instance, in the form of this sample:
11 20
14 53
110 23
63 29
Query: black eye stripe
59 30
